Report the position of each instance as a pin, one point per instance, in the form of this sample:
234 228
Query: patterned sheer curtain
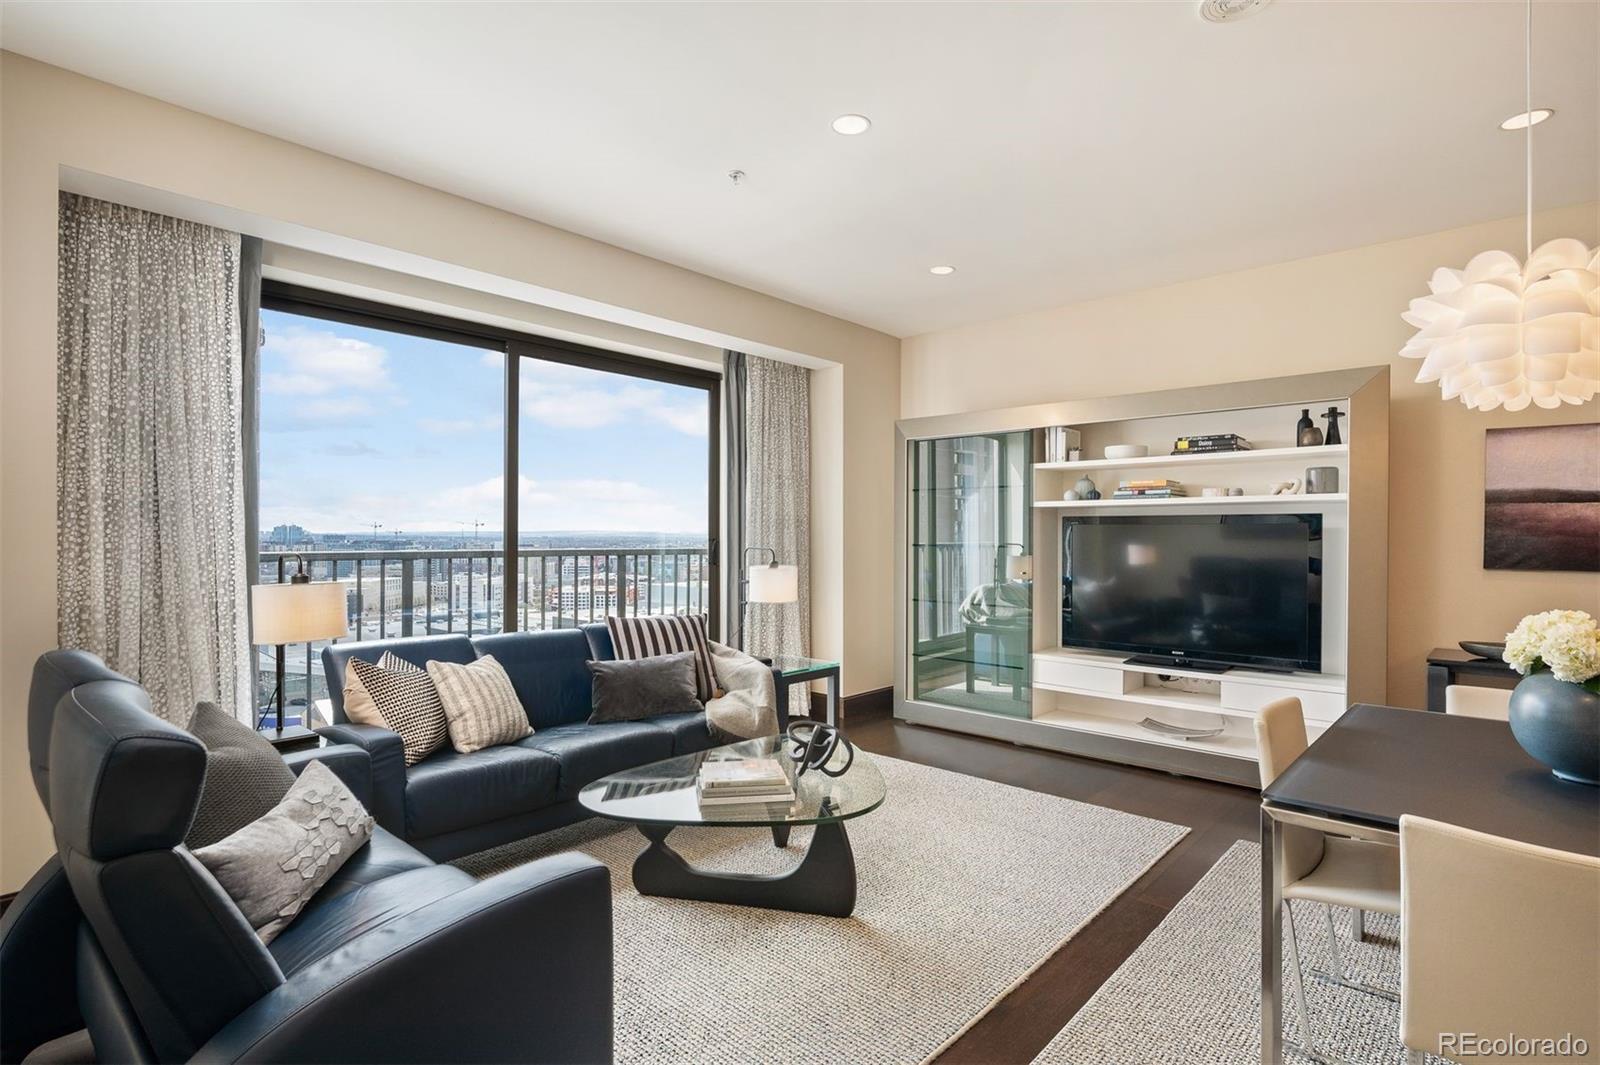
150 486
778 500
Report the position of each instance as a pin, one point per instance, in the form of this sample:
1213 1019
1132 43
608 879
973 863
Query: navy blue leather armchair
395 960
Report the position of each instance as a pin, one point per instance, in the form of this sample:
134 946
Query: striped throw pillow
480 703
647 637
406 702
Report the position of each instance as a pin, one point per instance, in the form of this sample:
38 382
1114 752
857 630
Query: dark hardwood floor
1022 1023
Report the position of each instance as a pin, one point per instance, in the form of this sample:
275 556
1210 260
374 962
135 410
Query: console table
1445 664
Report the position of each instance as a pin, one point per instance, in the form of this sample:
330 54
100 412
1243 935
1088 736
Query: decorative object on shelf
1484 649
1086 488
1191 445
1126 451
1213 491
1060 442
1332 418
1508 333
1302 425
1165 728
1310 436
812 744
1321 480
295 612
1075 455
1541 498
1284 488
1070 495
1236 491
1555 709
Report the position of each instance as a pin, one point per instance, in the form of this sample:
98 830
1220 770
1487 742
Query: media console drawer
1107 680
1319 706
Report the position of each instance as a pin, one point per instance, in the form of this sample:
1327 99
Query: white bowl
1126 451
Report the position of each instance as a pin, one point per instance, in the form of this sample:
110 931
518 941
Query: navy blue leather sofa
160 965
451 804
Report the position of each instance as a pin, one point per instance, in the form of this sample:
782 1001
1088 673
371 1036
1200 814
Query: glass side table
793 669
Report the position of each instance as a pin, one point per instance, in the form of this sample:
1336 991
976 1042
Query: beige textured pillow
480 704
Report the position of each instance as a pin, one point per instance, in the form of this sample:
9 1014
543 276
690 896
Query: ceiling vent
1230 10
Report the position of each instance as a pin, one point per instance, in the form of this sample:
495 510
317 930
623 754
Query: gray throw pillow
273 866
245 776
643 687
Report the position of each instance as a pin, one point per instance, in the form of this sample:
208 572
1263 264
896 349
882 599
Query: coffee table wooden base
823 883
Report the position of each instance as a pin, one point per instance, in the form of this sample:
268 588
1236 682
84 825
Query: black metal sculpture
812 744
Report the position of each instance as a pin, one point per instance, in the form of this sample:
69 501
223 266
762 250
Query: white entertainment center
1097 703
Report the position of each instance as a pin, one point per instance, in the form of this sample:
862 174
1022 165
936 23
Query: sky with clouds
360 426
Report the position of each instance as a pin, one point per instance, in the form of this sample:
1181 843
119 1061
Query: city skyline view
366 431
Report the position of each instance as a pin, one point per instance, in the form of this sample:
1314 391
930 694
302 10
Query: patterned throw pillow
647 637
273 866
480 704
406 702
245 776
358 704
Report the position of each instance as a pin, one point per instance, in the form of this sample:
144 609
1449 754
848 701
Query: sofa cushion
549 670
418 650
451 791
589 752
402 698
327 924
690 732
480 704
642 689
245 776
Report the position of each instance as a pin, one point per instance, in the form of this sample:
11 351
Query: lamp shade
774 584
1019 567
297 613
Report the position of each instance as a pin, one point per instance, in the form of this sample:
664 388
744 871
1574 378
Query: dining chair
1473 700
1317 867
1496 937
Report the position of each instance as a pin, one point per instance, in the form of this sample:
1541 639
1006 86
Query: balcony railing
426 592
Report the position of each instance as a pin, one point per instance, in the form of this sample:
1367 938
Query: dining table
1377 763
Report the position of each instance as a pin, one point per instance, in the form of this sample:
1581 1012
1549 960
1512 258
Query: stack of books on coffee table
744 780
1152 488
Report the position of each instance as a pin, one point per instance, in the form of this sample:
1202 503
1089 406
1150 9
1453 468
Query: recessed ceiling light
942 271
850 125
1527 118
1230 10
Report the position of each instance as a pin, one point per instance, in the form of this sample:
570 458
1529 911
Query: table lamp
296 612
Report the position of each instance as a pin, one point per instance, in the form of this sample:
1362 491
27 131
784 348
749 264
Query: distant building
287 535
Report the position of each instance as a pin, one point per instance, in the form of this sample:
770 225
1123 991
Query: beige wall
1332 311
53 122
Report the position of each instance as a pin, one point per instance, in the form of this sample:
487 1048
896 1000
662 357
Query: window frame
515 345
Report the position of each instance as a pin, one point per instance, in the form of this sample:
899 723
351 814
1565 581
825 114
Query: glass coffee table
662 796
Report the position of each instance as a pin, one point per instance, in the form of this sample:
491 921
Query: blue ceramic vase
1558 722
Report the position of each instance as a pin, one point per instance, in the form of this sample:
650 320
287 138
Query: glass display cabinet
971 572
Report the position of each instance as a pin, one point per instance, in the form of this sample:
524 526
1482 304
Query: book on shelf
1147 494
1060 442
1151 482
1185 445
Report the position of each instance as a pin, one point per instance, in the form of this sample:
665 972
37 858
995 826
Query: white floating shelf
1312 500
1221 458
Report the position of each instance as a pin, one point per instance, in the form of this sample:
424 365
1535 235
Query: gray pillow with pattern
273 866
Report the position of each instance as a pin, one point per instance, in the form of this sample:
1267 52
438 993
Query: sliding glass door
971 572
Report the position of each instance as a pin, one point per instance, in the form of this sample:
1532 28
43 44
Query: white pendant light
1504 333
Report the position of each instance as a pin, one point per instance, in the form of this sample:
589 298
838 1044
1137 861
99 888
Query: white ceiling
1051 152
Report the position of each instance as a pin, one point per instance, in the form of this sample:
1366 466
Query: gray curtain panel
778 501
150 487
735 470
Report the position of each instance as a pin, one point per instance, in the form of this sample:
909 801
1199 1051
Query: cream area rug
964 887
1191 993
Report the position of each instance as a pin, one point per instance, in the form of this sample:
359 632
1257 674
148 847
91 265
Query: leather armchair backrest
123 788
418 650
550 671
54 674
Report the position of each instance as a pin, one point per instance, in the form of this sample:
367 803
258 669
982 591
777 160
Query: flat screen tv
1195 589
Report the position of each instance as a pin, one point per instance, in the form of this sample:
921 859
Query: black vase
1332 418
1301 426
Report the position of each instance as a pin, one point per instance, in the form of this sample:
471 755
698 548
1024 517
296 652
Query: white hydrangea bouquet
1566 642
